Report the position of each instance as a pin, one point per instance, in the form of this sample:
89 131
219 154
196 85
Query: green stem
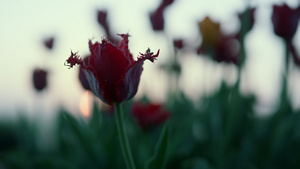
286 71
287 54
241 62
123 137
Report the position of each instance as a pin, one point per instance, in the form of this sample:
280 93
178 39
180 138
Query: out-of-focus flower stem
286 71
242 59
123 137
286 54
242 54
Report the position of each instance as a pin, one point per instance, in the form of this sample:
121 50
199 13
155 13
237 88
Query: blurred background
37 37
25 25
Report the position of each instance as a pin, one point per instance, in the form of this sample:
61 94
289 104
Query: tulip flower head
112 73
49 43
285 21
221 47
149 115
178 43
102 19
210 31
39 79
157 18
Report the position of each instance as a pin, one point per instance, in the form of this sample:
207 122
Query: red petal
94 85
128 85
108 65
123 46
149 115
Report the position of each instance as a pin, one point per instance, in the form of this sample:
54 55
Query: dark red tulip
157 18
166 3
285 21
102 20
149 115
49 43
178 43
226 50
112 72
39 79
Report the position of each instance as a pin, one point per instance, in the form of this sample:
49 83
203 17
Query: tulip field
220 130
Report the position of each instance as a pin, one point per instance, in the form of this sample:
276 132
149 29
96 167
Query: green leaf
158 159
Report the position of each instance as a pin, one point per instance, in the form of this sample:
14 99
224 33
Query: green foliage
160 155
221 131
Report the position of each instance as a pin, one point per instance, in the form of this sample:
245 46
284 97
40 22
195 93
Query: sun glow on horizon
86 104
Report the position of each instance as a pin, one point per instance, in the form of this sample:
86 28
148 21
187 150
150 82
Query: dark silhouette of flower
210 31
221 47
157 18
111 71
149 115
285 21
49 43
227 50
102 20
39 79
178 43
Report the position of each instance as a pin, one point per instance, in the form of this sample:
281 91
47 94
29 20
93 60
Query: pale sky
25 24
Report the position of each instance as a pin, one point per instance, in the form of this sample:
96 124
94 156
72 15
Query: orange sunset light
86 104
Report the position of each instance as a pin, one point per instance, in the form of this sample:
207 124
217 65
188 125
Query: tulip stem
123 137
286 72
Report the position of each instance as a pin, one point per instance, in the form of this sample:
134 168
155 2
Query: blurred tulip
166 2
227 50
49 43
102 20
157 18
285 21
178 43
149 115
210 32
39 79
222 48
